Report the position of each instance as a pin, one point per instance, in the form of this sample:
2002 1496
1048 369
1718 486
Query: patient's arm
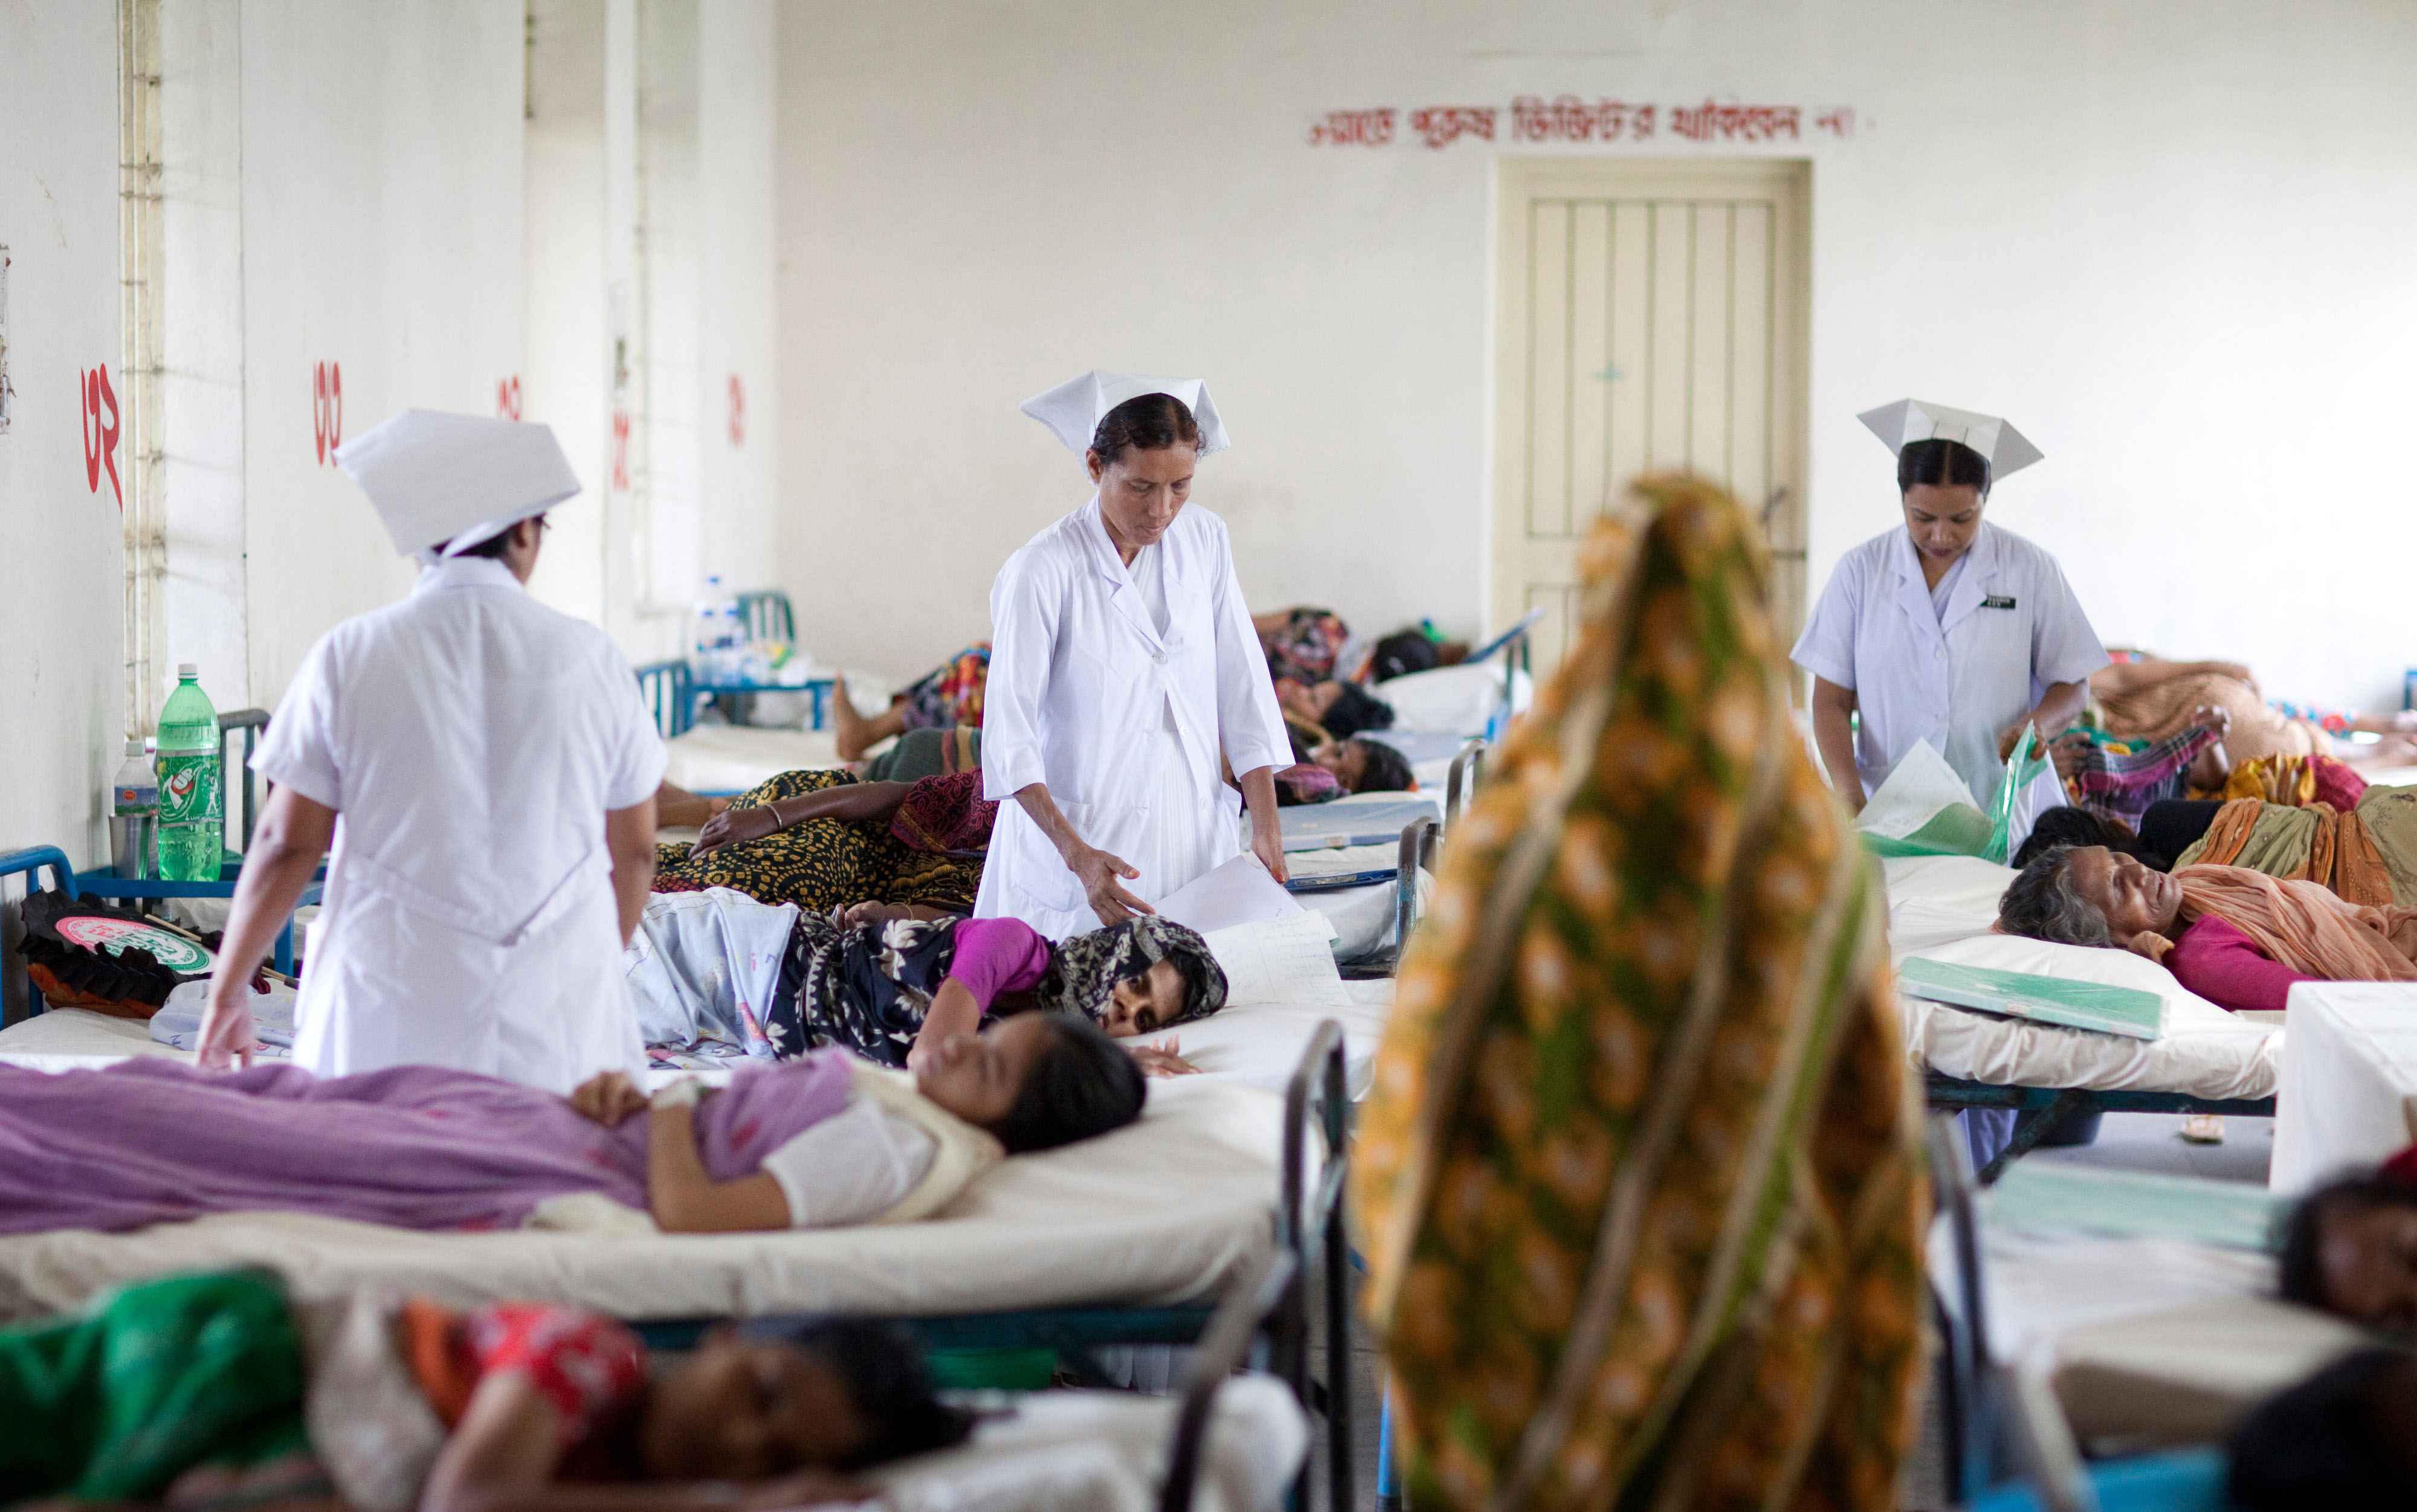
953 1012
503 1454
677 807
849 800
684 1197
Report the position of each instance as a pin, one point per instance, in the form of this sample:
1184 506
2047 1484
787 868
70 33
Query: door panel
1650 316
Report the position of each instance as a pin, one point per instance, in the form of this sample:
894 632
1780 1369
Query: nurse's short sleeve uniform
1960 676
472 742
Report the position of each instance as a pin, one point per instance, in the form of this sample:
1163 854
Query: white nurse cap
1908 420
1074 408
455 480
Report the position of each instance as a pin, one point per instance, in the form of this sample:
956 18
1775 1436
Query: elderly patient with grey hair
2236 937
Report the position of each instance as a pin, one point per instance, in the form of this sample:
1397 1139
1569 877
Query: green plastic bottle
193 803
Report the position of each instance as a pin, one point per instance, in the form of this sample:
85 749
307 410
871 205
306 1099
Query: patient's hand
1161 1060
856 913
735 826
2067 751
2151 944
607 1098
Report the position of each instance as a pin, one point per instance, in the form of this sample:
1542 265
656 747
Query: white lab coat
1122 723
1956 679
470 740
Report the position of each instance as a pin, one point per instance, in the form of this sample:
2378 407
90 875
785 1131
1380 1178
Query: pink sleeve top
2223 966
997 955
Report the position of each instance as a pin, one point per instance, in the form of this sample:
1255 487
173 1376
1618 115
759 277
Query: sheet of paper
1238 892
1289 960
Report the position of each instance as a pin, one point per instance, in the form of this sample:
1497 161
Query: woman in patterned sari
825 840
1639 1180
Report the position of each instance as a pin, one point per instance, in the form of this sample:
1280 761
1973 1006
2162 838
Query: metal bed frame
2055 1104
1267 1315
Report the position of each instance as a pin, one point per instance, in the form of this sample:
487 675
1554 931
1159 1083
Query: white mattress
1171 1209
1942 907
1260 1044
1106 1450
65 1040
723 758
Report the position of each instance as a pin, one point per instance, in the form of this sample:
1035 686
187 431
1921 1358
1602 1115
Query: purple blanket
415 1146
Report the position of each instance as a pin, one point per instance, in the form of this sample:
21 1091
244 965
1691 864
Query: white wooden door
1651 317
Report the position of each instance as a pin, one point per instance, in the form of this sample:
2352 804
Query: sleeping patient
820 1141
209 1394
823 840
715 974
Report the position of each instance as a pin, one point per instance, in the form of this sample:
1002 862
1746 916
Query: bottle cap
188 669
134 746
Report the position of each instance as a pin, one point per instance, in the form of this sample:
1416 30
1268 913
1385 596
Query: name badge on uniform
1996 602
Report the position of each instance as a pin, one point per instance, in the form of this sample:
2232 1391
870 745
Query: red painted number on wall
621 450
737 412
100 435
507 397
326 407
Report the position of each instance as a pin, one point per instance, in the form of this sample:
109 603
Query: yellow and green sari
1639 1180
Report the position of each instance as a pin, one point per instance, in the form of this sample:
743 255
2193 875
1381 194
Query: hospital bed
2205 1061
1130 1238
2087 1312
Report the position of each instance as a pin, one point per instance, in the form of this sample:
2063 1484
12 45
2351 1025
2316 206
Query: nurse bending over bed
821 1142
1951 630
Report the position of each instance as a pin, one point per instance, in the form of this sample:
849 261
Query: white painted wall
382 229
62 695
2170 242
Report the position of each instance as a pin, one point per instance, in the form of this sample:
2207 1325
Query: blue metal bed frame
2053 1105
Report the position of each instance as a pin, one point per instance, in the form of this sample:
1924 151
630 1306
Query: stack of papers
2127 1011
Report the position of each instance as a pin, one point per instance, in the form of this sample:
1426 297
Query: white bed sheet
2352 1085
1261 1044
1171 1209
1941 908
1106 1450
725 758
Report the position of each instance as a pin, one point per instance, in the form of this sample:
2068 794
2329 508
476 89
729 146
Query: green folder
2038 1194
2094 1006
1959 829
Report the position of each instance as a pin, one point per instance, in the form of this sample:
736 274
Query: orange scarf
2343 856
2303 927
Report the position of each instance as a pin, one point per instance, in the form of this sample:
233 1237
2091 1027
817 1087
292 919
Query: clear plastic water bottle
193 803
714 648
134 815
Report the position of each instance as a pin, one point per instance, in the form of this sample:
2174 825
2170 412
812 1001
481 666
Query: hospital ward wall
62 688
2170 242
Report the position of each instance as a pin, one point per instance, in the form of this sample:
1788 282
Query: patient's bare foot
852 730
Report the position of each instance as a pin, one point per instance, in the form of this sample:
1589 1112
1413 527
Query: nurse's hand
1270 850
226 1039
2007 742
1098 872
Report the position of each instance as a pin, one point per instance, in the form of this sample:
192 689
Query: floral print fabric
1638 1180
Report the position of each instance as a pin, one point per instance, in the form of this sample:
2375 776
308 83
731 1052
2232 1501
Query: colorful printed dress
930 852
1639 1179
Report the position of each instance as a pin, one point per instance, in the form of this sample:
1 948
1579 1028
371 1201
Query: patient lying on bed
716 975
210 1396
821 1142
822 839
2236 937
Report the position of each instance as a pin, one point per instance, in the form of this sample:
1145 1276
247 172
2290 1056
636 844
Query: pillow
1289 960
1461 698
1934 899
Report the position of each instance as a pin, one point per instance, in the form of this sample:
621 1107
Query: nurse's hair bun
1941 465
1150 422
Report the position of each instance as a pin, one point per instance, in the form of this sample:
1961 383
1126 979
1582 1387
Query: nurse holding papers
1951 630
1123 665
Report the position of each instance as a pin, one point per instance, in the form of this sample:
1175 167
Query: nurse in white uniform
1952 630
1123 665
485 771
